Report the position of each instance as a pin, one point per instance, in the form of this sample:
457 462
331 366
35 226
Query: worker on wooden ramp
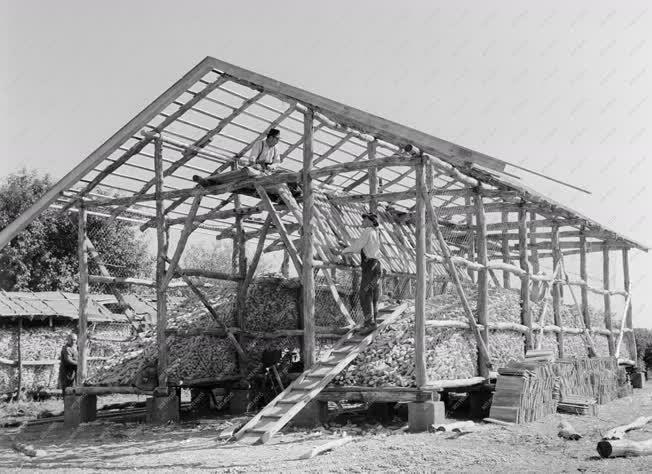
368 244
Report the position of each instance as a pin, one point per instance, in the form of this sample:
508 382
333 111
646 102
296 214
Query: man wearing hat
264 155
368 244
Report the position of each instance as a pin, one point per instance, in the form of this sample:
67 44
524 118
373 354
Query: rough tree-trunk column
606 271
483 280
534 256
628 318
308 277
420 297
505 251
83 297
526 316
161 253
584 292
471 239
430 184
556 288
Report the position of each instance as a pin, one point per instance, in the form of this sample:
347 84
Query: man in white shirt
264 155
368 244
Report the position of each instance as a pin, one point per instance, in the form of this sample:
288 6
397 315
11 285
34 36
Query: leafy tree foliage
44 256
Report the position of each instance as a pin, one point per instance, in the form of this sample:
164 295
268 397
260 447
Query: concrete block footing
423 414
312 415
162 409
79 409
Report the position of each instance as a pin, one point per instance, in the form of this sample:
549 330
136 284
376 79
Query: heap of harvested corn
272 304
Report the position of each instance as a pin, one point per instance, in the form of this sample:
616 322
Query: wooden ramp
305 388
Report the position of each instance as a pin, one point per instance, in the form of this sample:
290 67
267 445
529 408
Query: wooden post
20 358
629 320
606 284
556 288
161 254
83 296
534 256
483 279
430 183
526 316
420 298
373 176
505 249
307 275
469 222
285 264
584 292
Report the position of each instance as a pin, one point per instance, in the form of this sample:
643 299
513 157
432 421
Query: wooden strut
544 308
556 288
460 290
83 298
213 313
586 333
606 274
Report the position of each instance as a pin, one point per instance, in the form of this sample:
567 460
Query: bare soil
190 446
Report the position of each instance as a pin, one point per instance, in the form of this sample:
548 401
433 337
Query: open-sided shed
447 213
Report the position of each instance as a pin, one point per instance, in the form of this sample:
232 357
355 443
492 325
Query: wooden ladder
305 388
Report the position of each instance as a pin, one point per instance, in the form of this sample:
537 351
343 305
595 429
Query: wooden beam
307 239
130 281
420 297
584 293
606 284
483 281
526 315
629 320
199 272
471 237
534 256
285 237
183 239
82 339
556 288
373 177
505 248
161 255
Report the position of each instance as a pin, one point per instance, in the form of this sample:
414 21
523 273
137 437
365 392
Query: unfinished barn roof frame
436 202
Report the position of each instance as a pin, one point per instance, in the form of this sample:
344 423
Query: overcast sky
560 87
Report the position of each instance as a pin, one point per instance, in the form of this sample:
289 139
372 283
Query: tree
44 256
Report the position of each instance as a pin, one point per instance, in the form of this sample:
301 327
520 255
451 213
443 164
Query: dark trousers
370 288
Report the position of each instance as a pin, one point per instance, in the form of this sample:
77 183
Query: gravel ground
194 446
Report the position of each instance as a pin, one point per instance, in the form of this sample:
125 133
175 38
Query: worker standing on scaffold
368 244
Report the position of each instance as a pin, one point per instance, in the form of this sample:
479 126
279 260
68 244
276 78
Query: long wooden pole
307 275
556 288
430 184
606 275
584 292
20 359
505 250
534 256
629 320
83 296
420 298
483 280
161 255
373 176
471 237
526 315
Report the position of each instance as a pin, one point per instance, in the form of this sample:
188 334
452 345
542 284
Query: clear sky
560 87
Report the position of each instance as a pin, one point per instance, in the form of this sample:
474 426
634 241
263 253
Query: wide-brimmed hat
372 217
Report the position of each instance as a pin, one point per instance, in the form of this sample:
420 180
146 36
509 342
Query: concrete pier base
79 409
163 409
240 401
423 414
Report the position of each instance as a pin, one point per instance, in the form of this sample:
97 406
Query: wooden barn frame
443 207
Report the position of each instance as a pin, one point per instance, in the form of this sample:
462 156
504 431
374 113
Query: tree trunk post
629 320
483 279
82 344
526 316
308 277
161 253
505 251
606 284
420 297
556 288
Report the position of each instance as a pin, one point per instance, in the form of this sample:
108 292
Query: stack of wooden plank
578 405
539 355
528 390
524 393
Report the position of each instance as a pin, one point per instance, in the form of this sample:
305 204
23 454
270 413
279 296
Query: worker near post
68 362
264 156
368 244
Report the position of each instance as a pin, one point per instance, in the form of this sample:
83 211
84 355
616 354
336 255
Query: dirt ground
190 446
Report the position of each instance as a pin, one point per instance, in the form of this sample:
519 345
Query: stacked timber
543 355
524 393
578 405
529 390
